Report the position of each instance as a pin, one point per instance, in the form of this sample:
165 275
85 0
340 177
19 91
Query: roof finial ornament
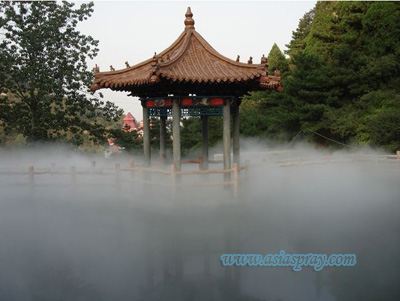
189 22
155 59
96 69
127 64
250 61
264 60
238 58
112 68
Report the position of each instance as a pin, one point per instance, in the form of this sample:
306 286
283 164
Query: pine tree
277 60
299 37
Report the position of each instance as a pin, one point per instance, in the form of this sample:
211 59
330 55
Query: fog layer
90 237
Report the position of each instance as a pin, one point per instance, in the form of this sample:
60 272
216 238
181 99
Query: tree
44 72
269 114
299 37
155 133
345 76
366 52
277 60
191 133
320 38
128 140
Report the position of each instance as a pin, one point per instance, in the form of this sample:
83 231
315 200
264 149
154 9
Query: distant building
129 123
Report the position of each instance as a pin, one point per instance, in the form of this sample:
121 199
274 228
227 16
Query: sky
133 30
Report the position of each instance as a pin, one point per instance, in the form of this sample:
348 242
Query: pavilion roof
189 61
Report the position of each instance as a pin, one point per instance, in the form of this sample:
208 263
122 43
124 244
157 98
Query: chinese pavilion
190 78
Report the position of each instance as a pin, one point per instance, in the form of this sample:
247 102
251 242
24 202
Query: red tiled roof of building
129 123
129 116
190 59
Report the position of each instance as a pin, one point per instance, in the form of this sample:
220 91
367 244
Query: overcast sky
133 30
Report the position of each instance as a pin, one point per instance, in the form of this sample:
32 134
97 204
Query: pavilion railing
119 174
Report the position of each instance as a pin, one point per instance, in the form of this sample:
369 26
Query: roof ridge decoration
190 59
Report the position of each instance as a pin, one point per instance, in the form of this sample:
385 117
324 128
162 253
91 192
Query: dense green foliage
128 140
299 37
155 133
44 79
343 81
191 133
